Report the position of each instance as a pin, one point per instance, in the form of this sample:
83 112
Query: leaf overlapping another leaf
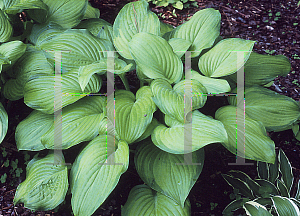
168 173
93 178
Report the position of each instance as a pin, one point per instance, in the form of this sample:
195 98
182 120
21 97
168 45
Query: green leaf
133 18
273 171
91 12
262 69
240 185
253 185
142 200
263 170
98 27
154 123
133 114
275 111
43 32
264 201
168 173
164 95
78 48
31 63
296 201
177 138
94 176
65 12
155 57
295 129
3 122
46 183
6 28
297 196
253 209
165 27
285 169
234 205
12 51
100 67
80 122
39 92
179 46
222 59
213 86
284 206
282 188
30 130
201 30
257 145
16 6
267 189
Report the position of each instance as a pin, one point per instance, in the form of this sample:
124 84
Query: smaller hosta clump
179 4
270 194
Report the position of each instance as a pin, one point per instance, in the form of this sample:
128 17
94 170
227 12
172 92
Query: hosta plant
178 4
269 194
65 56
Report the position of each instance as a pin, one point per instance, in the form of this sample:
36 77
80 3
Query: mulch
273 24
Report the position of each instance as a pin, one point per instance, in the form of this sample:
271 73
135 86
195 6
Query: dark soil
273 24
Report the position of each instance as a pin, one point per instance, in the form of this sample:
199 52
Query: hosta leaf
223 60
273 171
46 183
98 27
282 188
179 46
78 48
3 60
253 209
155 57
12 51
263 201
133 114
165 27
167 173
3 122
262 69
15 6
39 92
43 32
100 67
263 170
6 30
164 95
93 177
205 130
295 129
267 189
154 123
213 86
285 168
258 146
275 111
240 185
133 18
201 30
65 12
30 130
91 12
284 206
234 205
80 122
142 200
31 63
